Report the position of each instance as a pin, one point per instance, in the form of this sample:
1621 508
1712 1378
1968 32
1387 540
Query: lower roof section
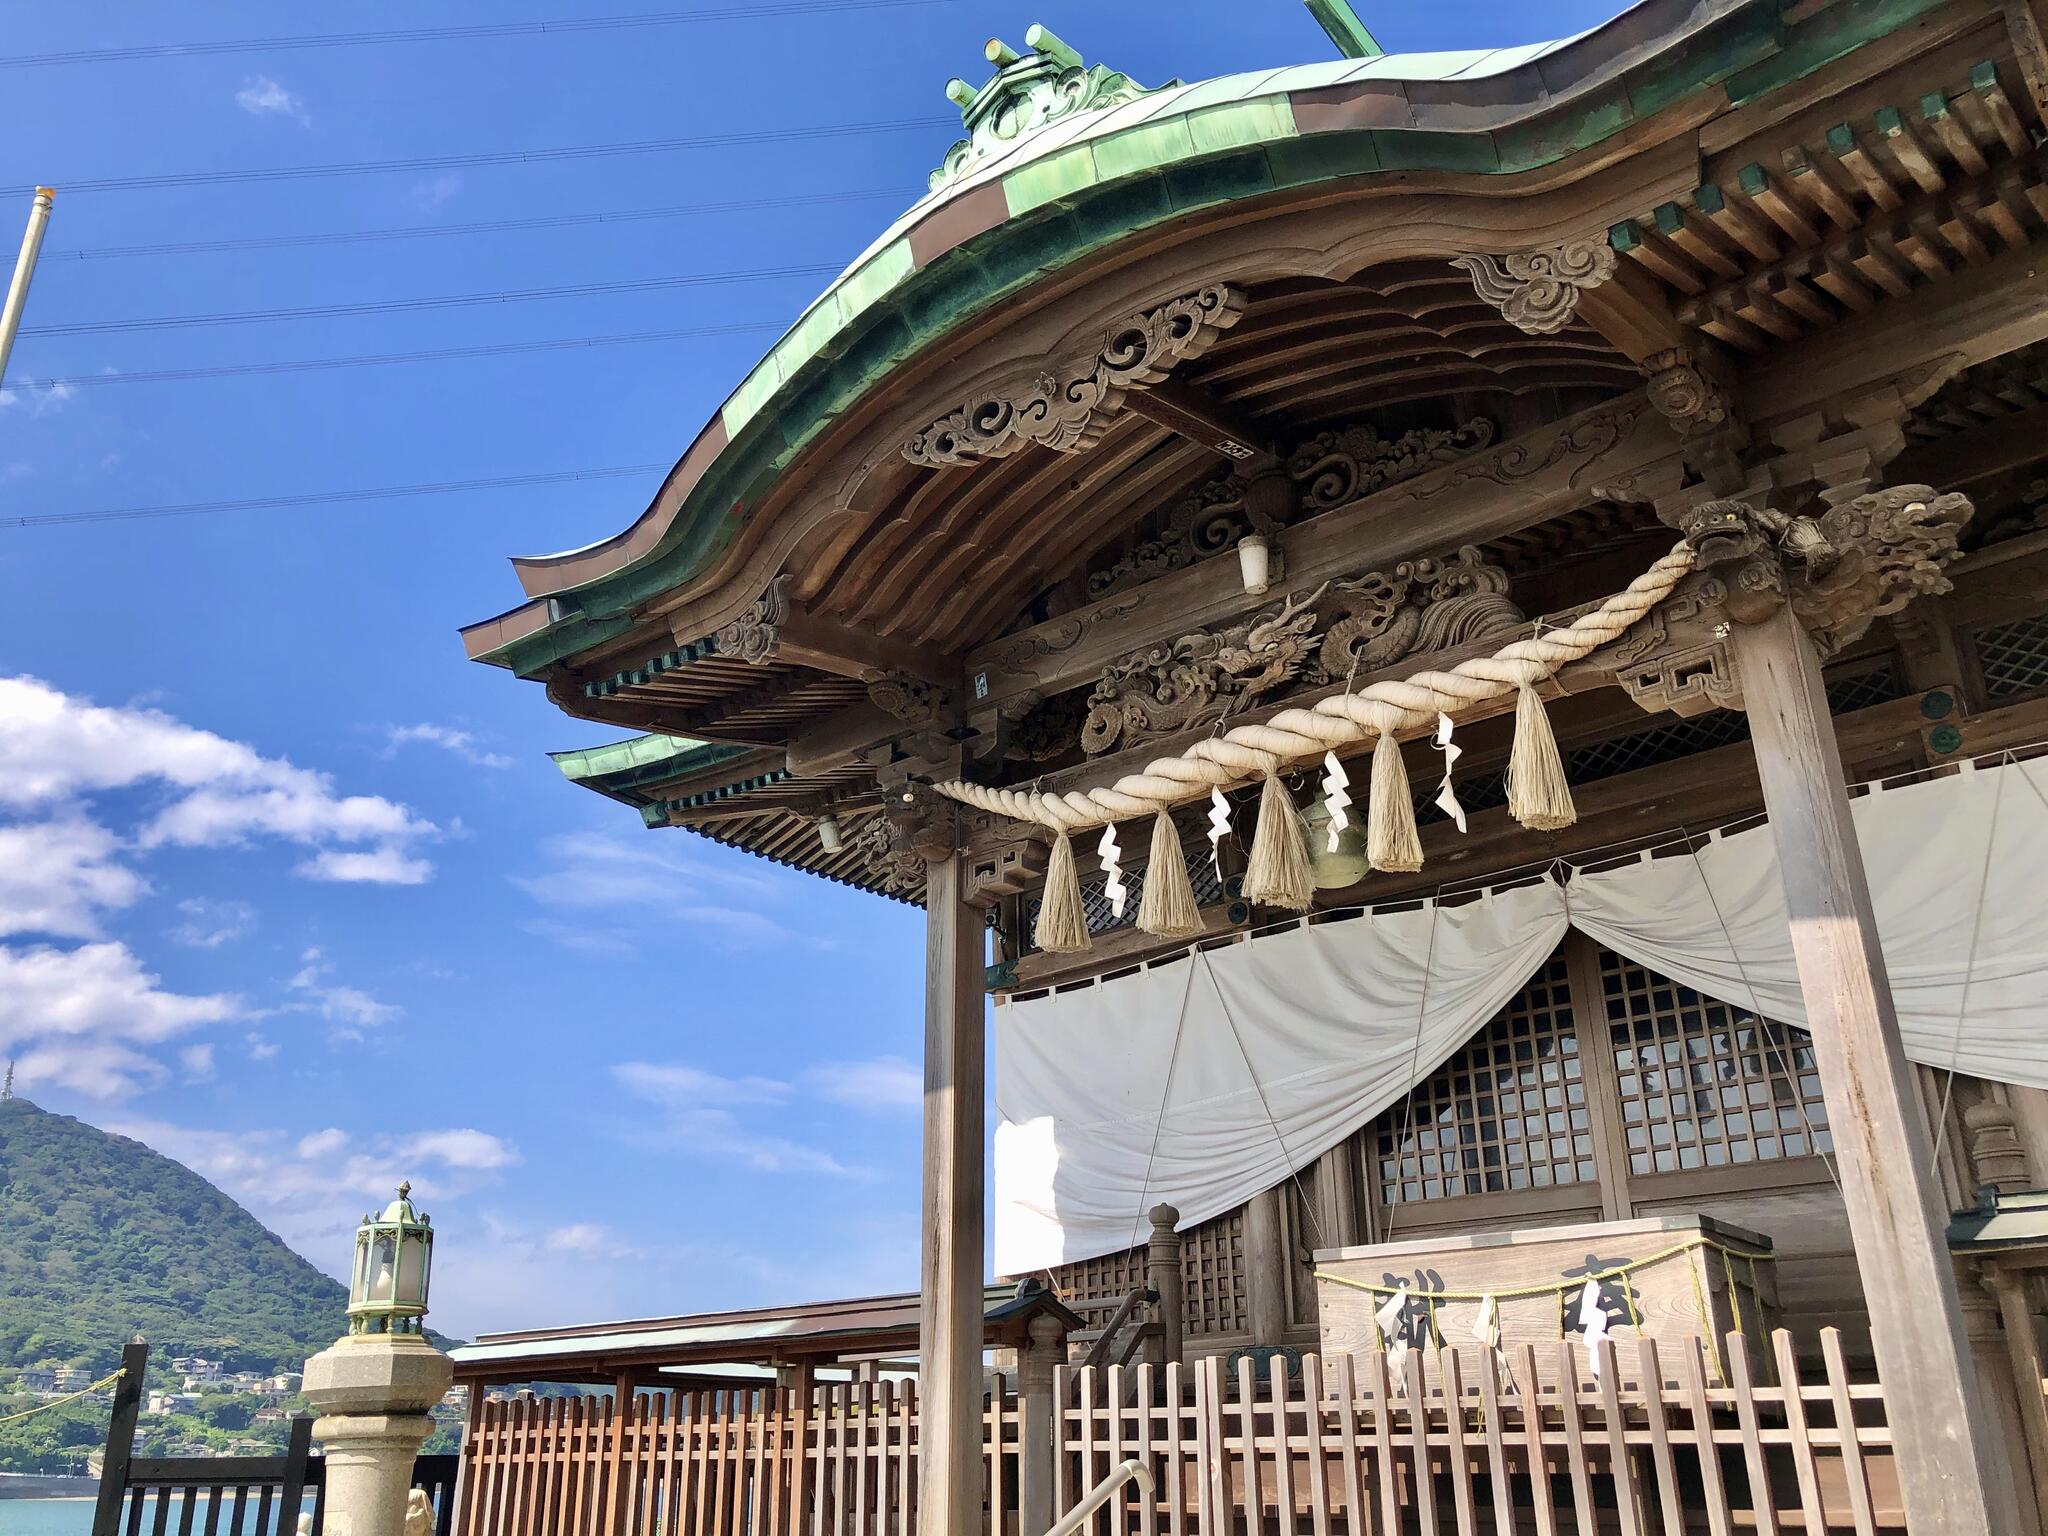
814 1331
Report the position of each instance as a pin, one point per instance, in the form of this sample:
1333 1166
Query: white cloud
261 96
260 1049
649 878
55 749
76 1017
590 1238
210 923
375 866
350 1009
698 1121
320 1144
883 1083
462 743
431 194
56 877
471 1149
692 1087
197 1061
39 400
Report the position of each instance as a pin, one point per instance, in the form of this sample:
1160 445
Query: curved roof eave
1079 184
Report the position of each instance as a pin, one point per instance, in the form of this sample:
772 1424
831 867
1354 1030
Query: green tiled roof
1078 184
620 769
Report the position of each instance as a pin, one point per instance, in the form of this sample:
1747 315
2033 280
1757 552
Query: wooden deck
1645 1446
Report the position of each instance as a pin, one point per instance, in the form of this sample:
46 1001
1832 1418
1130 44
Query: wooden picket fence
715 1463
1643 1446
1650 1444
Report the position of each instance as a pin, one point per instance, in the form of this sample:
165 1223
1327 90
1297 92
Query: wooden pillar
1163 1276
949 1353
1267 1266
1948 1470
2023 1348
1339 1200
1046 1348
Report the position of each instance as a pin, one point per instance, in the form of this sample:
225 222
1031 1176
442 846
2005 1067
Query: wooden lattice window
1703 1084
1507 1112
1212 1279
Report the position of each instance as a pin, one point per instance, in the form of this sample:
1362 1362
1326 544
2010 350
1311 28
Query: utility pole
24 269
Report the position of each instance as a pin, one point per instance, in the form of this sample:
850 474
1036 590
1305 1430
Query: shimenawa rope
1279 874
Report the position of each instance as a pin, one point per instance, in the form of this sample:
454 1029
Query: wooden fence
1644 1446
763 1462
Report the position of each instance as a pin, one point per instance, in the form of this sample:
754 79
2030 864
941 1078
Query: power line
501 157
326 498
381 359
489 227
758 9
414 306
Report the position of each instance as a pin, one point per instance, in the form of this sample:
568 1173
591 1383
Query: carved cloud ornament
1344 629
754 635
1071 409
1538 291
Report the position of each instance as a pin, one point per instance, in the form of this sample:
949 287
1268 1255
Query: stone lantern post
373 1388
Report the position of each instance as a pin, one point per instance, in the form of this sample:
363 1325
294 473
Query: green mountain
102 1239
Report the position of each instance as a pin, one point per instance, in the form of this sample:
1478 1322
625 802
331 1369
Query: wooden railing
1648 1445
1644 1445
228 1495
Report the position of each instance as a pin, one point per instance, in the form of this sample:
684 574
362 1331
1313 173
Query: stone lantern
374 1386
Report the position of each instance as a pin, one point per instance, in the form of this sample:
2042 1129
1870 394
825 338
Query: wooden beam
810 641
1631 310
1950 1471
1511 485
1194 415
1915 345
950 1315
1999 446
2027 22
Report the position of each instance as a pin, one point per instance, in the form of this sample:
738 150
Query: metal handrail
1133 1471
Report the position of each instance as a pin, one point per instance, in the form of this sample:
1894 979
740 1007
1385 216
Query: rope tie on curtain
1279 869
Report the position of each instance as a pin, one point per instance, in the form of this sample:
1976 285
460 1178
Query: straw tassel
1392 845
1062 927
1167 910
1278 874
1539 796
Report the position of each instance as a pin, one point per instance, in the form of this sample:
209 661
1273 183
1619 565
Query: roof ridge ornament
1029 91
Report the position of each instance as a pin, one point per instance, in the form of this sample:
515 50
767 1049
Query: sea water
46 1517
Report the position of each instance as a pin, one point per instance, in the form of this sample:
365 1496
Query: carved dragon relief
1071 410
1868 555
1331 469
1341 629
1538 292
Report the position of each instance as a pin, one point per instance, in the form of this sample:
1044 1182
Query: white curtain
1262 1055
1203 1081
1958 867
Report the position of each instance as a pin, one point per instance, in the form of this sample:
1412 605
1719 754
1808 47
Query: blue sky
287 887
